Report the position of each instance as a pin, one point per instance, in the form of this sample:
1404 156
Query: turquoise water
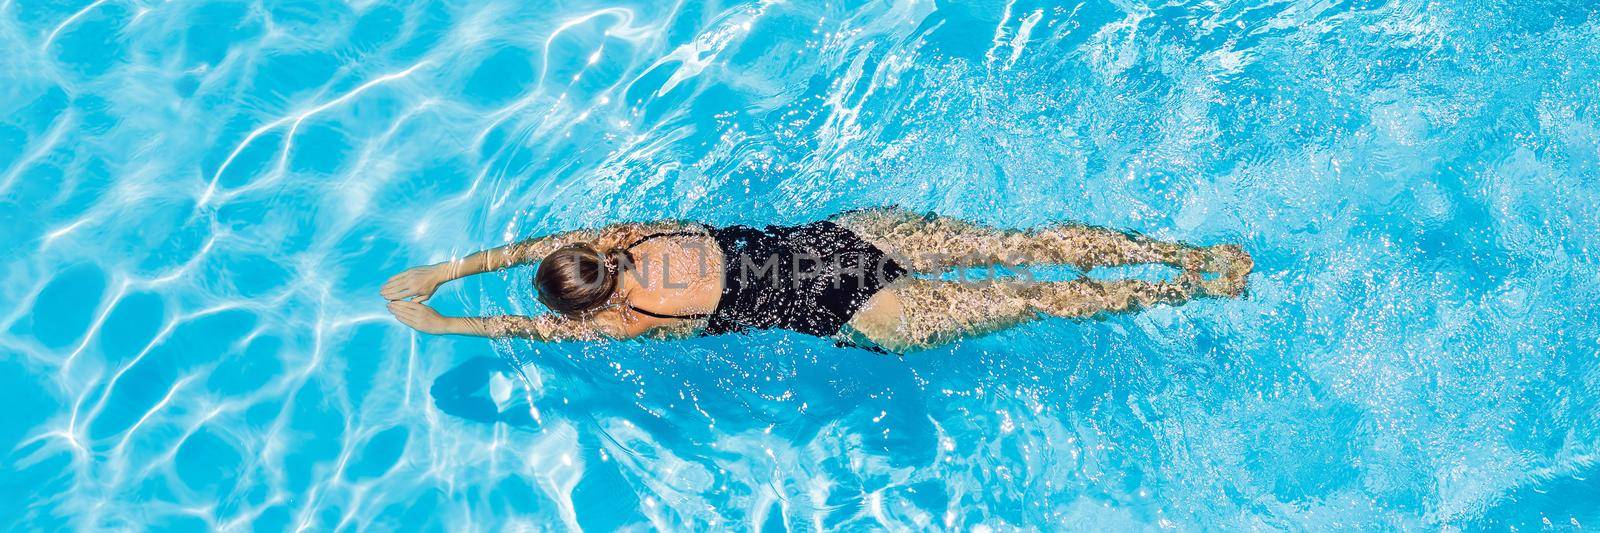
201 200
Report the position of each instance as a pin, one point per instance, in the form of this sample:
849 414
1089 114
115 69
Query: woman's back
671 277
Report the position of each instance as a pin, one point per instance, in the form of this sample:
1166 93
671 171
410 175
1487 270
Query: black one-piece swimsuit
809 278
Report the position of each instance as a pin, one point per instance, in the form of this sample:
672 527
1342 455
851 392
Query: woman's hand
421 317
417 283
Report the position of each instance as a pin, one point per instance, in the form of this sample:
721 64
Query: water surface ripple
202 199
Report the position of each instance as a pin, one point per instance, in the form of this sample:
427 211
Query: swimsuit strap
696 316
666 234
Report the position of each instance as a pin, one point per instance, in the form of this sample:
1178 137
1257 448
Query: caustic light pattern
201 200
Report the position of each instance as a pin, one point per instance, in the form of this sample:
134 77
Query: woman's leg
917 314
931 243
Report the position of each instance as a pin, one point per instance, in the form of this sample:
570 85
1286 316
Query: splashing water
203 198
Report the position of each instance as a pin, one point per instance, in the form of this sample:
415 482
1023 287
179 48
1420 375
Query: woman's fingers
402 291
404 281
409 308
406 314
418 285
414 282
395 287
419 317
400 314
397 280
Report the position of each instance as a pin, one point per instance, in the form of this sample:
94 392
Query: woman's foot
1218 271
1231 266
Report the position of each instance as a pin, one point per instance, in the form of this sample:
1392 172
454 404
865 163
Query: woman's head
576 278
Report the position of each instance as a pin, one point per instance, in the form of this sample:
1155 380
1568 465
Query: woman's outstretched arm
540 328
419 283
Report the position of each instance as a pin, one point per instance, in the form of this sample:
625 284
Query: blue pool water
202 198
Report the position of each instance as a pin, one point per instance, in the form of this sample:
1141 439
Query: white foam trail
1021 39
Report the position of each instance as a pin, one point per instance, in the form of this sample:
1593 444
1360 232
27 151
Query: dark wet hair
576 278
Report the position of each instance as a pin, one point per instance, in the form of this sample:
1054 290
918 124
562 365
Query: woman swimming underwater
845 278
